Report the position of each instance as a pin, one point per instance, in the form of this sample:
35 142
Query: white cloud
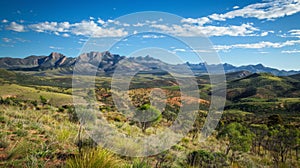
90 28
188 30
295 33
290 51
268 10
6 40
126 24
100 21
51 27
199 21
259 45
4 21
16 27
235 7
65 35
55 48
153 36
179 50
84 28
266 33
203 51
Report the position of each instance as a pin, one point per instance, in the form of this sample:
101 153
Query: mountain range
105 63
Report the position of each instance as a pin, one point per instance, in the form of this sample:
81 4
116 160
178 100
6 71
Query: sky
240 32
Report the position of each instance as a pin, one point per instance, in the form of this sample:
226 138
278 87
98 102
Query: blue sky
241 32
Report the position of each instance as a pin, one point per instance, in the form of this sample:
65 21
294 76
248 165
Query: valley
259 126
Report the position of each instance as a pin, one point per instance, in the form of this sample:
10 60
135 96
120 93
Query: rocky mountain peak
55 55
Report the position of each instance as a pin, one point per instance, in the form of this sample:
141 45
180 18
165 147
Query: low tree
147 116
261 132
281 141
200 158
44 101
238 136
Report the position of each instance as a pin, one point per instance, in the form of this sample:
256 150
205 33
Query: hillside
263 85
37 112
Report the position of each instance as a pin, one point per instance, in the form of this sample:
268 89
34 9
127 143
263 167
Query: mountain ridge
106 63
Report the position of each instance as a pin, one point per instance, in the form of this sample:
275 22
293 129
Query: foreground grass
92 158
35 138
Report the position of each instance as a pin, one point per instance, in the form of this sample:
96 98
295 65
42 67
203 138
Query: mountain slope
263 85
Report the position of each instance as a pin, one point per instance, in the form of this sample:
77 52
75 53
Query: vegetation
39 126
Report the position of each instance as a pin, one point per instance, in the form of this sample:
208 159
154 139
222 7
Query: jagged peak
56 55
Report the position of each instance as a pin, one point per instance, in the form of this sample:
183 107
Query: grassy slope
35 138
28 93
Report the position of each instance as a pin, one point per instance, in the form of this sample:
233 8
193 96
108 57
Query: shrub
3 144
200 158
92 158
139 164
21 133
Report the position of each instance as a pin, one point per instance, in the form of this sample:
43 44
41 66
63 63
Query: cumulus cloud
90 28
51 27
268 10
259 45
199 21
188 30
65 35
266 33
100 21
84 28
15 27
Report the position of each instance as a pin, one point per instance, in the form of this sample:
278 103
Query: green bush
21 133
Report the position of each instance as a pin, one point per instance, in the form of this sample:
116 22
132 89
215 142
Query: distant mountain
33 63
228 68
105 63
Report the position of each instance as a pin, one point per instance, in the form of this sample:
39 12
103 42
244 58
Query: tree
203 158
261 132
200 158
147 116
239 137
281 141
44 101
